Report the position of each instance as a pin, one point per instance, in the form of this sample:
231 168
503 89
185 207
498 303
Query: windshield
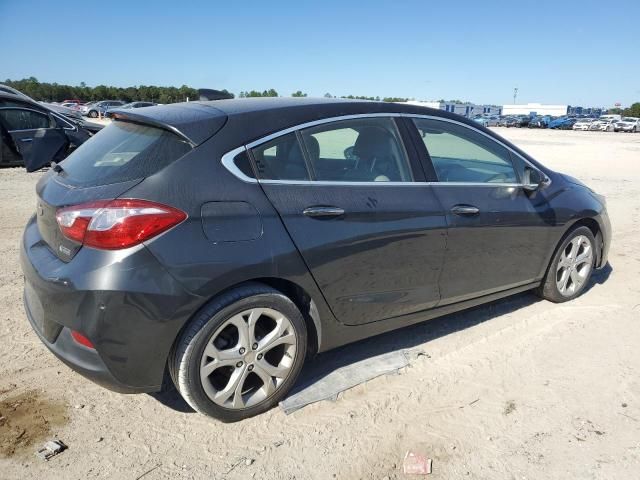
122 151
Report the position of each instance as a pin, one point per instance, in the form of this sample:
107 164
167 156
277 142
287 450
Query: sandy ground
518 389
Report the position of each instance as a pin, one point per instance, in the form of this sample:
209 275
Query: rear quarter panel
208 259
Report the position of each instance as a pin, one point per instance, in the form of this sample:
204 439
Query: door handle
25 140
323 211
465 210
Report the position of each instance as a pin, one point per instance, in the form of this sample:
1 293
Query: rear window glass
120 152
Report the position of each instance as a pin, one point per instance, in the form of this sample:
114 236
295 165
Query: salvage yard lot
520 388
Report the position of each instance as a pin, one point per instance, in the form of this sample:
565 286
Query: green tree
633 110
56 92
298 94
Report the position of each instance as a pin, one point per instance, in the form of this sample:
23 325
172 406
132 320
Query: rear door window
281 159
120 152
23 119
358 150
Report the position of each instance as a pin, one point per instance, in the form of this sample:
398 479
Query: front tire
241 354
571 267
93 114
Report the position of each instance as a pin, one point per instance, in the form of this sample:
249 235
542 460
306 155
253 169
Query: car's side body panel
134 303
381 259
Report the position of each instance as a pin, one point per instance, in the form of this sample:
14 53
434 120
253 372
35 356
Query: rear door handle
465 210
25 140
323 211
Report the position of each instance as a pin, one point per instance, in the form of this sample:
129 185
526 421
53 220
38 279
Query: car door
36 138
368 226
499 234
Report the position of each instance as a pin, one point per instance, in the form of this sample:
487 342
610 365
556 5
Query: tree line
632 111
55 92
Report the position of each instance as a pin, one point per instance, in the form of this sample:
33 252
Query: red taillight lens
81 339
116 224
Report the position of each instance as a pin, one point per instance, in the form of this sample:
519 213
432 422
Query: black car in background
30 131
539 121
224 243
517 121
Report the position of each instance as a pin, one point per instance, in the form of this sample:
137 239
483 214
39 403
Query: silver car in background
603 125
628 124
583 124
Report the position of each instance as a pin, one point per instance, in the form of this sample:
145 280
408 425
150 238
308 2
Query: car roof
254 118
20 97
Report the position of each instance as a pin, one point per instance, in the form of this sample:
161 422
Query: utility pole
515 94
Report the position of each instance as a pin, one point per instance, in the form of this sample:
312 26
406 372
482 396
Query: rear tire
93 114
241 354
571 267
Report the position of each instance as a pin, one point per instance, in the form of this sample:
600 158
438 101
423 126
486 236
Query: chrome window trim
228 160
60 117
229 164
389 184
433 117
313 123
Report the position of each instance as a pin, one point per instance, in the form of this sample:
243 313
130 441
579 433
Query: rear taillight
116 224
81 339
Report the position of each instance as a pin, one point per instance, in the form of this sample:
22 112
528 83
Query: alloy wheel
576 261
248 358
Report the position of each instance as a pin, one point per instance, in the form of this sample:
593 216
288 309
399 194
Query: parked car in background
226 242
518 121
562 123
130 105
628 124
583 124
487 121
96 109
73 100
603 124
66 111
502 121
35 132
539 121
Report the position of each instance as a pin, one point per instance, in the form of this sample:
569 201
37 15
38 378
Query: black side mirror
534 179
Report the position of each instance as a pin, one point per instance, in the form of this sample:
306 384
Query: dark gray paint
381 261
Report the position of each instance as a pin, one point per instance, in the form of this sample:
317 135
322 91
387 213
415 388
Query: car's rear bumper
125 303
82 359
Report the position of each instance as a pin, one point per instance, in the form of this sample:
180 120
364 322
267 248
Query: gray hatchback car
221 244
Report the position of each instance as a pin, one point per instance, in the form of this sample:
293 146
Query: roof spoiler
207 94
194 122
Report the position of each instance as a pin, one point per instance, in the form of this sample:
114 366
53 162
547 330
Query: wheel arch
297 294
593 225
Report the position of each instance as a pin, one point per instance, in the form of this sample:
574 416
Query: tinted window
244 165
8 152
281 159
122 151
20 119
460 154
360 150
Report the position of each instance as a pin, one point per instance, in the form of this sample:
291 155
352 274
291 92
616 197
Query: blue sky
562 51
